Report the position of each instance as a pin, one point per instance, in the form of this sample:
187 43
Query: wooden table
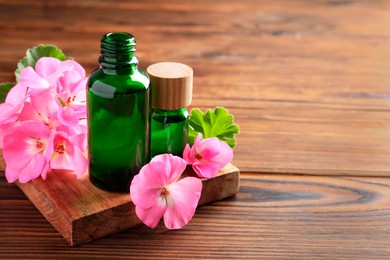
309 85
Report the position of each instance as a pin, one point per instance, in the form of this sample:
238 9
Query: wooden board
81 212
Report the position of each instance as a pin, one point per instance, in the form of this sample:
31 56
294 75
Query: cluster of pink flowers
43 121
157 191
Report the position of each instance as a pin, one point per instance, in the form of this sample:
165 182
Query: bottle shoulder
123 82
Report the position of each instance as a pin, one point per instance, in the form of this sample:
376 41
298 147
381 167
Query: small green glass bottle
171 86
118 115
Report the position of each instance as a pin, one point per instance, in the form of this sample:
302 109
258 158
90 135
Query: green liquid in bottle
169 131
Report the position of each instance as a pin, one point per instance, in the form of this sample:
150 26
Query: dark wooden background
309 84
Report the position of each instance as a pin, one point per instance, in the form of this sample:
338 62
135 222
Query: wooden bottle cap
171 85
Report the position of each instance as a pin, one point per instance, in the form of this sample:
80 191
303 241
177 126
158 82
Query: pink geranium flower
68 153
27 151
72 96
207 156
157 192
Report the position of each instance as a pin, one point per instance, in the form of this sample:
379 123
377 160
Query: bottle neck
117 53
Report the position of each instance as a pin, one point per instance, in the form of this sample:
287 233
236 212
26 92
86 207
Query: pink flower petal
29 78
78 140
8 113
146 186
206 169
46 168
185 195
11 175
29 113
35 129
198 139
46 66
45 102
17 151
188 154
174 167
78 90
43 108
78 160
33 170
151 216
208 148
73 66
65 83
51 70
61 162
225 155
68 117
5 129
48 153
17 95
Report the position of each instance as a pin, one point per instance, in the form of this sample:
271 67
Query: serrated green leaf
37 52
4 89
213 123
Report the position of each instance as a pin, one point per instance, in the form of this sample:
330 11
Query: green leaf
37 52
4 89
218 123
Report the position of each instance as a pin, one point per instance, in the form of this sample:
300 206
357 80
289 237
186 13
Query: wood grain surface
309 84
273 216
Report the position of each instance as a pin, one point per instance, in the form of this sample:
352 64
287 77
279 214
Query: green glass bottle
118 115
171 86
